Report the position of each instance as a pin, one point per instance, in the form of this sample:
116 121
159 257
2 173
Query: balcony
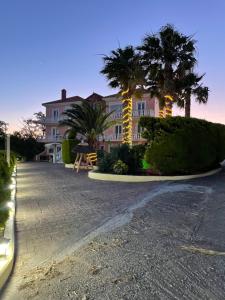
135 114
52 120
143 112
118 137
51 139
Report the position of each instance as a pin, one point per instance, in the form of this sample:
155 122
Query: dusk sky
47 45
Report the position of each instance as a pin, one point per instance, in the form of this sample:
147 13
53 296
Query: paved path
56 208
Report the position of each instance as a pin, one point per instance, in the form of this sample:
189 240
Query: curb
8 246
136 178
69 166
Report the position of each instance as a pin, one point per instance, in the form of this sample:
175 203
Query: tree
163 55
87 119
33 127
3 127
123 70
190 86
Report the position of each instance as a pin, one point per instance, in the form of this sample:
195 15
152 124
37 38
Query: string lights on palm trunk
127 117
169 104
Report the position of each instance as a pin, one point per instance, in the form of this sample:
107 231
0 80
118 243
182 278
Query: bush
120 167
68 155
132 157
5 175
183 146
4 214
5 170
105 163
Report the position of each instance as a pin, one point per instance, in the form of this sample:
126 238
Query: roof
69 99
113 95
94 97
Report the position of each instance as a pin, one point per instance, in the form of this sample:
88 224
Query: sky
47 45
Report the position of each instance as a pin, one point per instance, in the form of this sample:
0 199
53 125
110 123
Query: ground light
7 242
4 247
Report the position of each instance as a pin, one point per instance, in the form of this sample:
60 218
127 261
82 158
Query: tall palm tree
87 119
123 70
190 85
161 55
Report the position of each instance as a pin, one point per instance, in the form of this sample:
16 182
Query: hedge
5 175
180 145
67 155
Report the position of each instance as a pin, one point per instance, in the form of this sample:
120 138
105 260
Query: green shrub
120 167
5 175
100 154
4 214
132 157
68 155
105 163
183 145
5 170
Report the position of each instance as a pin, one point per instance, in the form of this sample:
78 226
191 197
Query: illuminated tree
163 54
123 70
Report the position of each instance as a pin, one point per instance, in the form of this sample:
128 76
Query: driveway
56 208
83 239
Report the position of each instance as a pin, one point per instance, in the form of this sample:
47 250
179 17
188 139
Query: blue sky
47 45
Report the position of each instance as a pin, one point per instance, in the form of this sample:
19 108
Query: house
54 134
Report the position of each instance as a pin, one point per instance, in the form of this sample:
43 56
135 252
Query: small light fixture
4 247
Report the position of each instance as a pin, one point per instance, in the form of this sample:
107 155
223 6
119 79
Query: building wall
113 135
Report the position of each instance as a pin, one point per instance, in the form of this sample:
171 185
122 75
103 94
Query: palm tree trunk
188 106
161 110
169 105
127 117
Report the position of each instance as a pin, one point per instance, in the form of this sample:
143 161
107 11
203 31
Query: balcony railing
135 113
51 139
143 112
118 137
52 120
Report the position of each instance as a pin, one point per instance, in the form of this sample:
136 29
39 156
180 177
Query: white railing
51 139
52 120
135 113
118 137
143 112
116 115
137 137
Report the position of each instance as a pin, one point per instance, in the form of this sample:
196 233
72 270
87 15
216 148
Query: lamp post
8 149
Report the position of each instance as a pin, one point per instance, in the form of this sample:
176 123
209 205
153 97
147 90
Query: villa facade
144 106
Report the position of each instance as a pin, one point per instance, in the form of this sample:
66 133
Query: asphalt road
102 240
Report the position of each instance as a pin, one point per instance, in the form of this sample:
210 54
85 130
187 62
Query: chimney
63 94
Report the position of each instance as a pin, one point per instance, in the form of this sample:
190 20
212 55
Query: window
141 108
55 114
115 107
118 129
55 131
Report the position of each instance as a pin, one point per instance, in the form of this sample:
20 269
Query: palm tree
162 53
87 119
189 84
123 70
